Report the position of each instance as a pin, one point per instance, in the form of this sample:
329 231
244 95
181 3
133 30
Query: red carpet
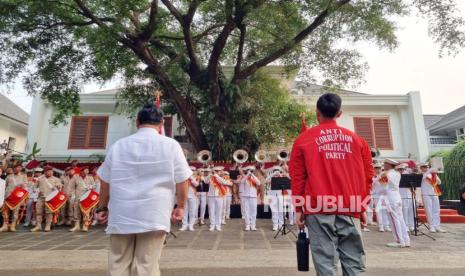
447 216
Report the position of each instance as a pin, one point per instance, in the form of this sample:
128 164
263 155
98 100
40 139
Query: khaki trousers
135 254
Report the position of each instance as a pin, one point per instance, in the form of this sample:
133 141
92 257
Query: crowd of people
394 206
211 188
27 197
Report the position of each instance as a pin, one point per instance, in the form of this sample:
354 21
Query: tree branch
88 13
319 20
240 51
186 21
151 26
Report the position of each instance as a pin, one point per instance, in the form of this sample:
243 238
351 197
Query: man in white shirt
430 190
217 191
140 177
390 181
248 187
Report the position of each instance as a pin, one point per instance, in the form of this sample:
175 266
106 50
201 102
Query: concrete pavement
230 252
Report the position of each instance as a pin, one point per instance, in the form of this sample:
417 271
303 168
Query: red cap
48 168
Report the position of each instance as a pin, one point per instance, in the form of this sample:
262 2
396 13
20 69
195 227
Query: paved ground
230 252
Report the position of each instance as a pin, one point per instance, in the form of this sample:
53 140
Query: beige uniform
69 189
81 186
11 182
46 186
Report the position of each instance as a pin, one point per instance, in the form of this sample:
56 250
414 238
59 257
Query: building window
376 131
88 132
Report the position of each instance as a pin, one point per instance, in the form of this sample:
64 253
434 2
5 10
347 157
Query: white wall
53 140
14 129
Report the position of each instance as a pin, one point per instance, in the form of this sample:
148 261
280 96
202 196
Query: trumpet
283 155
240 156
204 156
260 156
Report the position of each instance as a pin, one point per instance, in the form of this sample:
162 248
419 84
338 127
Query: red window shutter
168 125
364 128
98 133
382 132
78 133
88 132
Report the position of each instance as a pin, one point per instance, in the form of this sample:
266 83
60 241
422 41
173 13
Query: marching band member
189 215
82 183
379 201
70 190
406 195
13 180
390 181
228 197
249 186
202 191
275 199
46 184
33 196
97 189
288 196
431 190
2 188
216 193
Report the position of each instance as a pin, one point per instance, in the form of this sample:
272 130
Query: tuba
204 156
260 156
283 155
240 156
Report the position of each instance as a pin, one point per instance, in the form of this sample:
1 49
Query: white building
392 123
445 130
13 125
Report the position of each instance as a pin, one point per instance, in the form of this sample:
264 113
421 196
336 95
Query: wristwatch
103 209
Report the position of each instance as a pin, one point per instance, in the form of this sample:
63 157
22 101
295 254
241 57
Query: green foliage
442 153
266 114
454 174
180 47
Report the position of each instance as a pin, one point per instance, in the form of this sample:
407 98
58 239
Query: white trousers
369 212
215 210
432 210
407 212
242 206
250 210
276 206
202 203
399 229
227 206
190 214
381 211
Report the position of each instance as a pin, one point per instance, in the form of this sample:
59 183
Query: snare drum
16 198
55 200
88 201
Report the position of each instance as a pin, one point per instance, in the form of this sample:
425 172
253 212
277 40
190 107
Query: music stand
412 181
282 184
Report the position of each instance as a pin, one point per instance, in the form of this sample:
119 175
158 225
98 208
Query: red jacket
328 160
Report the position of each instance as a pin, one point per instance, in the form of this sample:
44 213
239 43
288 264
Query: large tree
202 54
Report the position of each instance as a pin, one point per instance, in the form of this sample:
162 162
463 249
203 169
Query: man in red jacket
331 172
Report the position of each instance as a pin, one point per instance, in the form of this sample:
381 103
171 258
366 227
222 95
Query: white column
421 149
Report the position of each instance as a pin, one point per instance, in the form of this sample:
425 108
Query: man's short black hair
150 115
329 105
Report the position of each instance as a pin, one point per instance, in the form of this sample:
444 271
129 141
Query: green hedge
454 171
